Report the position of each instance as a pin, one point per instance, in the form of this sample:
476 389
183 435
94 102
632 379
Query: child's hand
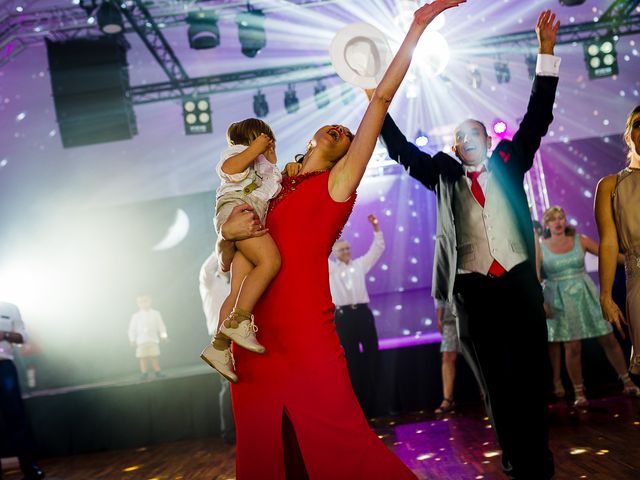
292 169
262 143
270 153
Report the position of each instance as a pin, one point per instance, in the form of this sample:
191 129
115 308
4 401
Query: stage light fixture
475 79
601 57
531 60
321 95
571 3
109 18
500 127
196 112
203 30
260 105
251 31
503 73
421 139
291 102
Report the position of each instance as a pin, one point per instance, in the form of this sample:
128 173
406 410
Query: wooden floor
601 442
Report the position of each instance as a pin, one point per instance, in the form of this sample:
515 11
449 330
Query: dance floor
599 442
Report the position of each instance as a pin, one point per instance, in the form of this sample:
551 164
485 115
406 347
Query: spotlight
197 115
421 139
601 57
251 31
291 102
571 3
531 61
260 105
321 95
109 18
475 79
500 128
503 74
203 30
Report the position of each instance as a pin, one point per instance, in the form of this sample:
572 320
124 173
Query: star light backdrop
79 226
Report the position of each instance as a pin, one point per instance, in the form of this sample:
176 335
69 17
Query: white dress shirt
214 289
546 66
10 321
347 280
263 168
146 326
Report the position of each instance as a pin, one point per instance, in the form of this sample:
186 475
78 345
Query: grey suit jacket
509 162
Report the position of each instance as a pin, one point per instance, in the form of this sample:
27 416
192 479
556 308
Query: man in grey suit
485 262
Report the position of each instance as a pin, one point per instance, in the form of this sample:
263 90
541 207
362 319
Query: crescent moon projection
176 233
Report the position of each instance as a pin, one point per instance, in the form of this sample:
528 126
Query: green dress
573 296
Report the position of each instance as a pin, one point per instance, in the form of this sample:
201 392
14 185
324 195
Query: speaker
90 85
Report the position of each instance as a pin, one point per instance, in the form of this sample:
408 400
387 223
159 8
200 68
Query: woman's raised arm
347 173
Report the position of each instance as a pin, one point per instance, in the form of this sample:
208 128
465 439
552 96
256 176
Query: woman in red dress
296 414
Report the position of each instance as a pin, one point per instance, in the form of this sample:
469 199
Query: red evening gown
303 374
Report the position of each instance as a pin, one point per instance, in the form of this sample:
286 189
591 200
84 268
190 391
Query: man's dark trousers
502 326
355 325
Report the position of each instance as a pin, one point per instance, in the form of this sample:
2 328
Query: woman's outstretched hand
428 12
612 313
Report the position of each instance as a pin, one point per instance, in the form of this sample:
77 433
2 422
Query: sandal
630 388
580 399
447 405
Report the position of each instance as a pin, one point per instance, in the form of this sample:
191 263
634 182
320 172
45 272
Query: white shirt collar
475 168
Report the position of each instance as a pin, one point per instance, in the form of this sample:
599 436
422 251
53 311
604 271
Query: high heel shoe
580 398
447 405
630 388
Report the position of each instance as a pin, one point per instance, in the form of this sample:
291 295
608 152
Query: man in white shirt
146 329
12 409
214 289
354 320
485 262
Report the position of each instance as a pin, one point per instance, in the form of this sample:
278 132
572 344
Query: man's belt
345 308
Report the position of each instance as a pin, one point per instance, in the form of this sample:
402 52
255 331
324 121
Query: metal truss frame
616 20
144 24
231 82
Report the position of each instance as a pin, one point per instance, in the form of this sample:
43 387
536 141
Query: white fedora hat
360 54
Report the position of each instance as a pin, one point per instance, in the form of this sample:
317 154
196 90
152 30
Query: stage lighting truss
571 3
196 112
251 31
291 102
321 95
109 18
260 105
601 57
203 30
503 73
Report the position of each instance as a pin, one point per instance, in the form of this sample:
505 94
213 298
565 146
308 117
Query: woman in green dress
575 310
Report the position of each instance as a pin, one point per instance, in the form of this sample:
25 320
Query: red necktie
476 189
495 270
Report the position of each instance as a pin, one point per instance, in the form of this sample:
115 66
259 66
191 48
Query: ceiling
161 161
